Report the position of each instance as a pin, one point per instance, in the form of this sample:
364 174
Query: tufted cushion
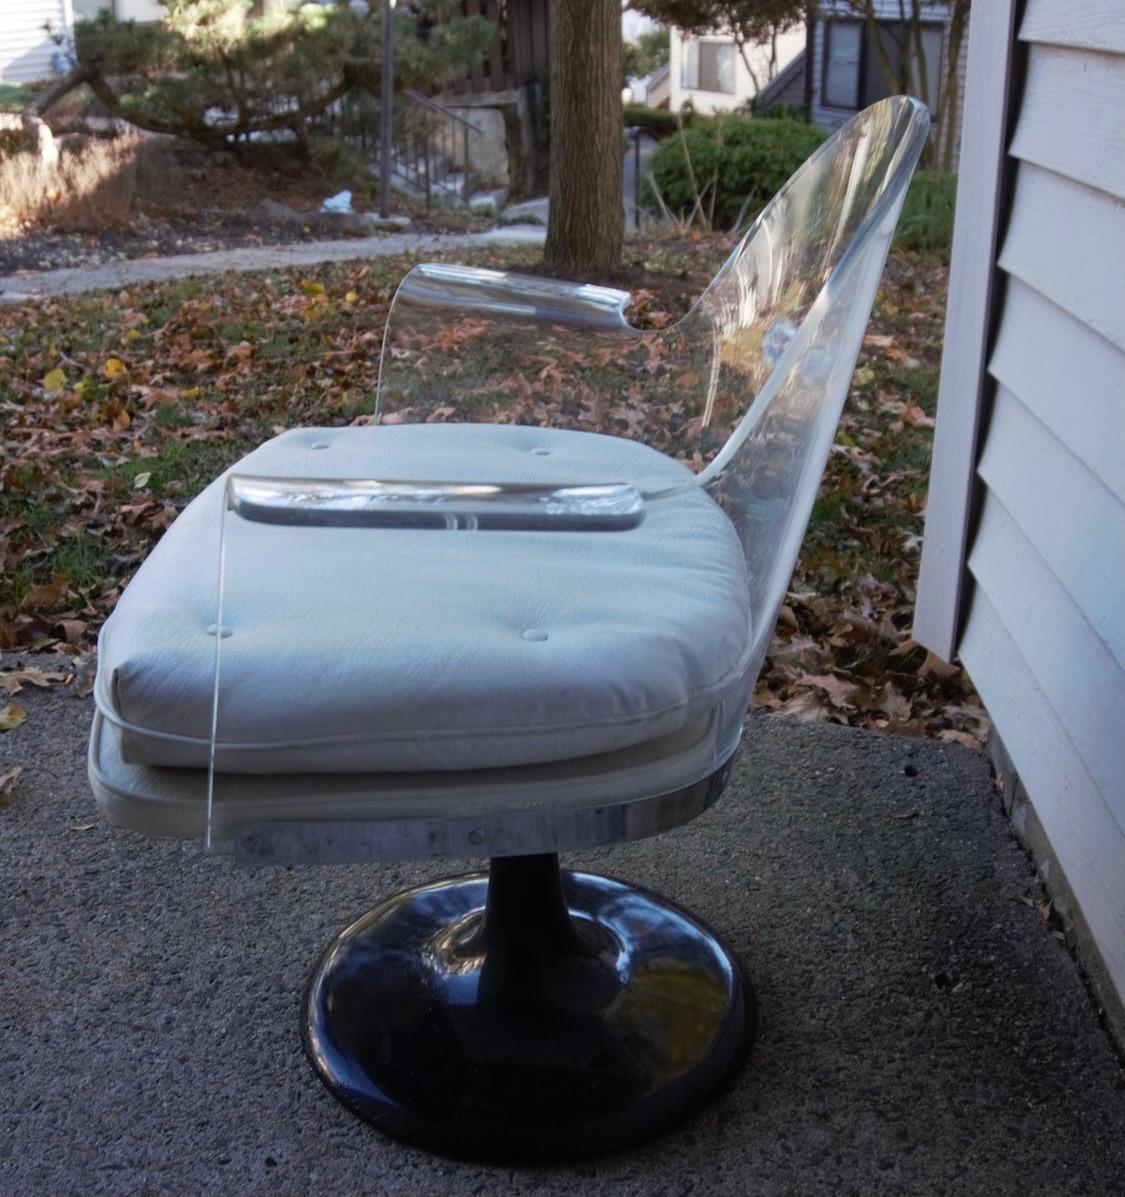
356 650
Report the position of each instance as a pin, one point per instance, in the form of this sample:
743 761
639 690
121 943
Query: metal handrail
426 102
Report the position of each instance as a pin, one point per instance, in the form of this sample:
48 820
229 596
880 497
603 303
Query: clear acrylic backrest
747 388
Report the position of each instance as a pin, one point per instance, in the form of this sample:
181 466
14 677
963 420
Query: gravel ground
923 1032
16 288
212 231
149 239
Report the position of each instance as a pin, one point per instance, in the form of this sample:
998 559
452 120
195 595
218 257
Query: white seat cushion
358 650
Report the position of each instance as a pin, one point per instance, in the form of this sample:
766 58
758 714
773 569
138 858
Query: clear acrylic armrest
449 506
475 341
518 296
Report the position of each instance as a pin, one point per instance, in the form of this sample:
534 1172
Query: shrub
12 97
736 165
660 122
91 189
926 224
780 112
657 121
216 70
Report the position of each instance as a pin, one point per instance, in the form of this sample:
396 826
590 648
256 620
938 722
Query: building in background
847 75
711 73
27 52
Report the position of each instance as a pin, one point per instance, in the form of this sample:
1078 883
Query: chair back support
785 316
746 389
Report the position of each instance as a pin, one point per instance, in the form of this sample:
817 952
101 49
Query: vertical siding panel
975 233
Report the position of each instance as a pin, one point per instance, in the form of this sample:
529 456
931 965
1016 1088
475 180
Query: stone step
532 211
488 202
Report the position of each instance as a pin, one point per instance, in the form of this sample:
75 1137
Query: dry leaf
81 681
807 707
11 717
8 782
952 736
114 368
840 691
73 630
913 415
933 666
894 704
786 617
47 596
13 681
54 380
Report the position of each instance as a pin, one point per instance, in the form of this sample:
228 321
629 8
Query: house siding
25 49
1043 633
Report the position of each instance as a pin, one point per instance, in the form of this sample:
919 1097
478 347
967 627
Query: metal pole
387 113
637 178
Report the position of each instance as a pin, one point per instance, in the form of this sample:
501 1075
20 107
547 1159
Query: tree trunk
46 148
586 223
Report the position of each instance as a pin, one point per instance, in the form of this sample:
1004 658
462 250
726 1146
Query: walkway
17 288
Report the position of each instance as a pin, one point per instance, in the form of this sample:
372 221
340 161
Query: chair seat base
526 1020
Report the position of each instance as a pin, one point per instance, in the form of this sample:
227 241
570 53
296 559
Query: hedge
747 158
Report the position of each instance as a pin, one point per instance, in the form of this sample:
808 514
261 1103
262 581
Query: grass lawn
118 408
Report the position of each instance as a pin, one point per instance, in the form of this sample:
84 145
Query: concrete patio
923 1031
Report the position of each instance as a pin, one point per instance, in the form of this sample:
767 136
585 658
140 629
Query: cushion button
212 628
534 634
541 452
319 445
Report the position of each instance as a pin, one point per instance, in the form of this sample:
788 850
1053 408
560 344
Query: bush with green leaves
12 97
660 122
213 70
724 171
926 224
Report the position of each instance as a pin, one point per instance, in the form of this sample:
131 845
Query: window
708 66
853 75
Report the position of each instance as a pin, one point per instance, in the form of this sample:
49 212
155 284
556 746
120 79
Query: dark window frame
862 100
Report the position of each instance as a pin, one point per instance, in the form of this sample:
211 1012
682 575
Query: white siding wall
1044 627
138 10
25 48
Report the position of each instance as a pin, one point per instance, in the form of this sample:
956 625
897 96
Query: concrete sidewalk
18 288
922 1031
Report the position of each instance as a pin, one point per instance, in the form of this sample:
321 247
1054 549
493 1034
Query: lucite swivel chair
305 670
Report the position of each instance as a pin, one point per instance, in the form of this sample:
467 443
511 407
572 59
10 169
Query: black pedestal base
570 1015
